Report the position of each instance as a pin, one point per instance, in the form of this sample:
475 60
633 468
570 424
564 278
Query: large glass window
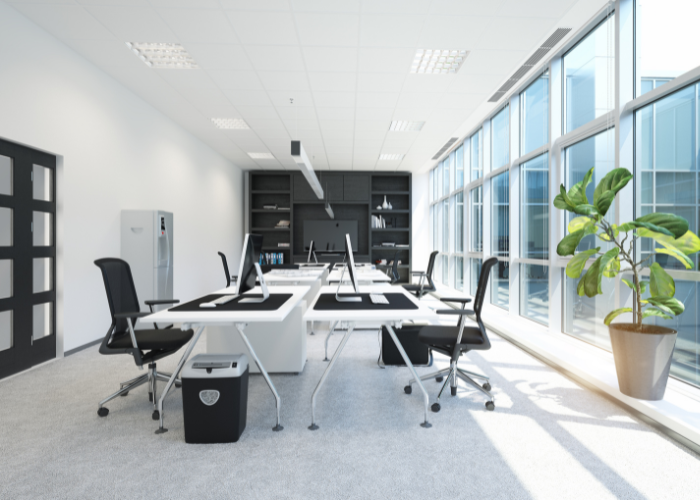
459 167
477 218
589 71
446 176
474 271
534 115
666 44
459 222
534 220
476 156
500 139
500 215
583 316
534 292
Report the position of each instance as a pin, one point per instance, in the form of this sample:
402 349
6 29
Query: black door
27 258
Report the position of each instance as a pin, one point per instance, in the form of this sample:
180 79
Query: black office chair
226 271
393 271
425 284
146 346
453 341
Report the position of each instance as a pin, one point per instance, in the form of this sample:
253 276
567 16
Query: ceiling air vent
445 147
546 46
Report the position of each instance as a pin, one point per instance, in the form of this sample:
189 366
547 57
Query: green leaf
689 243
652 227
580 223
628 283
612 268
674 252
655 312
614 181
660 282
583 209
678 226
560 203
580 288
578 262
594 276
577 194
667 304
626 227
562 193
643 286
604 201
614 314
568 245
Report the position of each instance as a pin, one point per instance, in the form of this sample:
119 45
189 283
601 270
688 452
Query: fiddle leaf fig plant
669 232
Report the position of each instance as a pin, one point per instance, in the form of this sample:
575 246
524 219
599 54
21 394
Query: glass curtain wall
534 115
500 239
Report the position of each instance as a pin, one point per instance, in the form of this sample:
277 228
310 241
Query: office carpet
547 439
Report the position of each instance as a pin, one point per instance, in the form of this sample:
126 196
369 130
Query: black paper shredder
215 397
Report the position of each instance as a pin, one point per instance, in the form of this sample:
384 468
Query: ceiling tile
399 140
106 52
337 125
262 124
390 30
264 28
373 125
460 101
335 113
248 97
338 30
258 112
418 100
492 62
236 80
337 135
133 24
296 112
280 58
282 99
535 8
451 113
455 32
205 99
381 60
365 135
130 3
278 134
414 114
351 6
396 7
427 83
305 135
330 59
186 4
199 26
215 111
334 99
187 79
381 82
373 114
66 21
218 56
520 34
298 126
284 80
471 84
468 7
377 99
340 82
266 5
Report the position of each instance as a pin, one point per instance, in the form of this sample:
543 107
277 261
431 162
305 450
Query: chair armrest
416 273
132 315
158 302
453 299
456 312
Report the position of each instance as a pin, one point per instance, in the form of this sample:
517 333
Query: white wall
422 244
117 153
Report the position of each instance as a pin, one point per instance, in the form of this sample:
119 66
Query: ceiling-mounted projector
306 168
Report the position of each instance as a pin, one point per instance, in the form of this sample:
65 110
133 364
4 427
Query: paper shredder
215 397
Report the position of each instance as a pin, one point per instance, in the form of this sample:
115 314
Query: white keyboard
224 299
378 298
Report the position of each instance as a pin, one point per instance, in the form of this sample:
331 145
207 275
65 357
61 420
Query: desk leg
351 327
330 332
278 402
426 398
171 381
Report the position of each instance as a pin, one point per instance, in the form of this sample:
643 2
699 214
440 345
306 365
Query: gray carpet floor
548 437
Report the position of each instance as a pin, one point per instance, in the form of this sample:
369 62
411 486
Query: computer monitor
250 268
353 275
312 252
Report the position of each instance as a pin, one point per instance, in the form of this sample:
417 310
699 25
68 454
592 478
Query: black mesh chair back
395 269
121 292
431 264
228 274
483 282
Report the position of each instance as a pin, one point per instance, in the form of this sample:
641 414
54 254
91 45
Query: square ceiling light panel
438 61
405 126
230 123
386 156
261 156
163 55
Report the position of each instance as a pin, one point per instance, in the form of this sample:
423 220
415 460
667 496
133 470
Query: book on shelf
283 209
270 207
283 245
402 246
283 224
388 244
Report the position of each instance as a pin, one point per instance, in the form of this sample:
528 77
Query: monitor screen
252 245
351 263
329 235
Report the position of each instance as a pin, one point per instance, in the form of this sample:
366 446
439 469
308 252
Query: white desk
240 319
353 317
363 276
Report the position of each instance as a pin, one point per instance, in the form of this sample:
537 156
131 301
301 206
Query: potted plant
642 352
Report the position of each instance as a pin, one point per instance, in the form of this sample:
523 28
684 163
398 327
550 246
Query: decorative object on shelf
378 222
379 207
271 258
642 352
385 205
388 244
283 224
283 209
380 262
270 207
390 207
283 245
403 246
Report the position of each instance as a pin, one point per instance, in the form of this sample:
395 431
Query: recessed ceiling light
405 126
163 55
438 61
261 156
386 156
230 123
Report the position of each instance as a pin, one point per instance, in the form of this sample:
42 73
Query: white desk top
423 313
362 275
213 317
313 265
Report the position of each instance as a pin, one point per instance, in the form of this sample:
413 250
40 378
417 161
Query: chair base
451 375
151 377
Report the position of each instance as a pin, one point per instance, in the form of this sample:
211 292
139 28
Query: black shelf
394 229
269 229
276 248
271 191
269 211
388 192
375 211
392 248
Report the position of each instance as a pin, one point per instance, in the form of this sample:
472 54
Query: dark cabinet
302 190
332 185
356 187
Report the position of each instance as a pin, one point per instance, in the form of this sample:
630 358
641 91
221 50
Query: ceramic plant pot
642 359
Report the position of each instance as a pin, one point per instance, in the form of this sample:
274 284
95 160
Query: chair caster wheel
490 406
408 389
438 379
435 407
486 386
103 412
124 394
155 415
453 391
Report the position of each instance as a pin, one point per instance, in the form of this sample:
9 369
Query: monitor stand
345 298
263 286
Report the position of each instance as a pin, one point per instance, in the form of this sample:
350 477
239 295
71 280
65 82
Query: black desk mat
274 302
327 302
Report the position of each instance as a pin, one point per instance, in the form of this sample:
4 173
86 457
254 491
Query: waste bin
215 397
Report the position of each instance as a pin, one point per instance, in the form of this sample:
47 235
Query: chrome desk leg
426 398
278 402
351 327
330 332
312 328
176 371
